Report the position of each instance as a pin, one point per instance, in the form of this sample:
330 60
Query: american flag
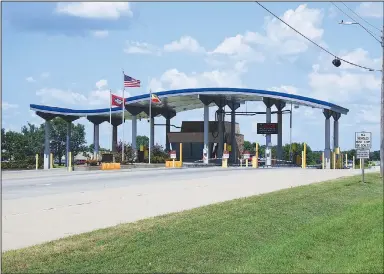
130 82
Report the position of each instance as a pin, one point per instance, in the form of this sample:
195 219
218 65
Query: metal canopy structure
175 101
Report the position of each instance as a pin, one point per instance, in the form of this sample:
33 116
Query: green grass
332 227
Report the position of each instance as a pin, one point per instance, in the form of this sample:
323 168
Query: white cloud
344 87
237 47
57 96
370 9
361 57
282 39
286 89
100 33
368 114
174 79
101 83
98 97
332 12
141 48
30 79
185 43
5 106
99 10
278 39
45 75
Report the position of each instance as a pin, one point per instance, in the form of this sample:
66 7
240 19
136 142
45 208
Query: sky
71 54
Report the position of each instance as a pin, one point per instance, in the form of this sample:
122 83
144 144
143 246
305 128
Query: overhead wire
361 17
324 49
354 21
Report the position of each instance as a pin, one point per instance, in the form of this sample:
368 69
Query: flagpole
122 123
150 126
110 116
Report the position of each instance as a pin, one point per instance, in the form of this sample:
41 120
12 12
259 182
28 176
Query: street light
336 62
348 23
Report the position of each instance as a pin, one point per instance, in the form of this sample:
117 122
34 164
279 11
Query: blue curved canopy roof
174 101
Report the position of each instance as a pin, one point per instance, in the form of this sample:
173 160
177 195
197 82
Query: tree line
19 149
313 157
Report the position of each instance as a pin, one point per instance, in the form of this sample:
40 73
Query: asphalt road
43 206
19 185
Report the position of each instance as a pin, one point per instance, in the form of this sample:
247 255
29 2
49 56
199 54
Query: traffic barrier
110 166
169 164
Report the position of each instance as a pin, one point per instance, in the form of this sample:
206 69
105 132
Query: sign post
173 157
246 156
363 143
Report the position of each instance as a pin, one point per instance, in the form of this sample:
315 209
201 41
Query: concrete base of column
327 158
47 149
114 138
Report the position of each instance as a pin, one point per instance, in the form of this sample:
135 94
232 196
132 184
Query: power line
354 21
361 17
327 51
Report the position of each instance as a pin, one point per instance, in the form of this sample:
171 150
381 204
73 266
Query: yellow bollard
51 160
224 163
305 155
322 161
257 155
302 159
70 161
346 160
353 162
334 160
254 161
37 161
181 154
224 159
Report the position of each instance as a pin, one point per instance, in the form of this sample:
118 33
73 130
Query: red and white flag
116 100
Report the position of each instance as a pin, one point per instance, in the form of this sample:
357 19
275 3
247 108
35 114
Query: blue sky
71 54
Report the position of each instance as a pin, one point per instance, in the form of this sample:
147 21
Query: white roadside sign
363 140
362 154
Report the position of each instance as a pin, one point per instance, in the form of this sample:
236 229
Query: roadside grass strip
330 227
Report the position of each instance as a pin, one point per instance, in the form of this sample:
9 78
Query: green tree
249 147
14 146
375 155
59 137
142 140
34 137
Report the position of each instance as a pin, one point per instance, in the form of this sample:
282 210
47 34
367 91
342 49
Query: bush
158 155
28 163
129 155
92 162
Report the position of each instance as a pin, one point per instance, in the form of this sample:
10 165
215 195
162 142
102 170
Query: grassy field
333 227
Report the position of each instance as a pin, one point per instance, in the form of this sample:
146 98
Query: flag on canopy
130 82
116 100
155 99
